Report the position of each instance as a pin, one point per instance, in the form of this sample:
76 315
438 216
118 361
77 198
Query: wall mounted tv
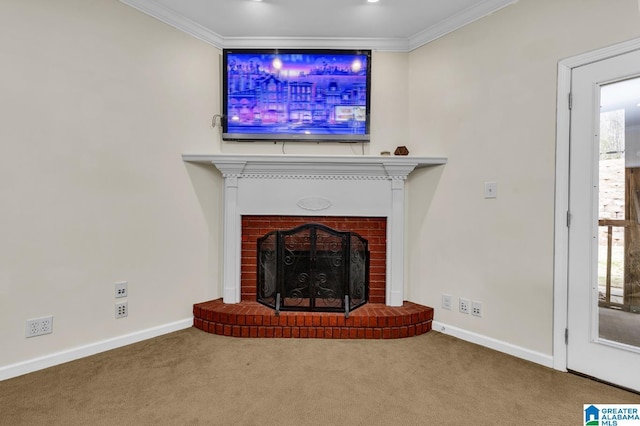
296 95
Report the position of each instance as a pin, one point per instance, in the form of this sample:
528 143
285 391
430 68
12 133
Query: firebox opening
312 268
373 229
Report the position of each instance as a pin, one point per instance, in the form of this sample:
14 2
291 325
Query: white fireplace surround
297 185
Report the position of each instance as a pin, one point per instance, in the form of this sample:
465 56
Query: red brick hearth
371 321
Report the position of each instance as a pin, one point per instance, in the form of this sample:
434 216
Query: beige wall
485 96
99 101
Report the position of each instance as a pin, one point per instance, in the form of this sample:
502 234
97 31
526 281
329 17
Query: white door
604 232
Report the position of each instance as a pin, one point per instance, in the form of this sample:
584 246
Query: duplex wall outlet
122 310
476 308
446 301
39 326
121 289
465 305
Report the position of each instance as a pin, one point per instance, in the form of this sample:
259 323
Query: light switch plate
491 190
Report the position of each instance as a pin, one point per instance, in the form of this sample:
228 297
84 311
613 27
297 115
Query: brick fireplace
373 229
364 194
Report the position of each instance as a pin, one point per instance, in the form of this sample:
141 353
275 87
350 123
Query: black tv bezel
286 137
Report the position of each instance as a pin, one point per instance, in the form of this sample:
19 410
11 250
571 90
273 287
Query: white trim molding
380 44
283 184
491 343
31 365
561 238
397 44
174 19
457 21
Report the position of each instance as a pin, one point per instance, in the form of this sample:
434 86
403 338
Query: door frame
561 215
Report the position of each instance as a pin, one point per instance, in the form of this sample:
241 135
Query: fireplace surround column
294 185
395 243
231 236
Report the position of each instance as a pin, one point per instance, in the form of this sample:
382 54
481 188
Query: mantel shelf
368 165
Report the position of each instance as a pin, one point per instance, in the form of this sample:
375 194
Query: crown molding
382 44
457 21
176 20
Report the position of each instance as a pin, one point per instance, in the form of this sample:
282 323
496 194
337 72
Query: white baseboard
29 366
498 345
35 364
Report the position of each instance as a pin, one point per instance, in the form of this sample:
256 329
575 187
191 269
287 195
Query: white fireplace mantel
309 185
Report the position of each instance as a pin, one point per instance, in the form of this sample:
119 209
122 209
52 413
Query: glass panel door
603 323
619 213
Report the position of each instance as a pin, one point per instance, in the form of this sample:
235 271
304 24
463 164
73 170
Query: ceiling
395 25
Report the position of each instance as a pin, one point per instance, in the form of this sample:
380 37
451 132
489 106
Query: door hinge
570 100
566 336
568 218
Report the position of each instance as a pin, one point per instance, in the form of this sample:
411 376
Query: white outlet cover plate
121 289
122 310
476 308
491 190
39 326
447 301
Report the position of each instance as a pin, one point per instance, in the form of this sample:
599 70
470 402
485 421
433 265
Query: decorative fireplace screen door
313 268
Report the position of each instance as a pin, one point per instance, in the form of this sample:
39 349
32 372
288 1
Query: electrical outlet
476 308
39 326
122 310
122 289
446 301
465 305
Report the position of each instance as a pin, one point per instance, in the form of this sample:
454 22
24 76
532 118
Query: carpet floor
194 378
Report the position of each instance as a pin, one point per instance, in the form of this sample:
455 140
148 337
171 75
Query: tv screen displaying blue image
305 95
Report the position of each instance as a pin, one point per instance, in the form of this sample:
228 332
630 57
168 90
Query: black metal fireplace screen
313 268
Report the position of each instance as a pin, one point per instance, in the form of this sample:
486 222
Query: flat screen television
296 95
